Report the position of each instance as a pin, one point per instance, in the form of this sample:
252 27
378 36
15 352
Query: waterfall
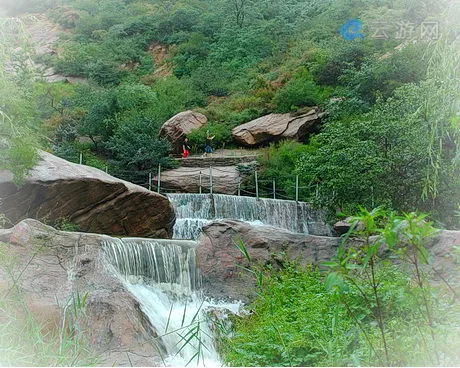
195 210
162 275
168 262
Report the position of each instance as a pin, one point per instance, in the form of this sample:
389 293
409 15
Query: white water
195 210
163 277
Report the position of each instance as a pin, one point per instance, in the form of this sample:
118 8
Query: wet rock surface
225 179
57 266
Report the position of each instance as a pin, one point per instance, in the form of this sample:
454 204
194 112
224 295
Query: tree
136 151
18 143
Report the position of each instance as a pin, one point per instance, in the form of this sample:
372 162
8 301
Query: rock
95 201
445 250
342 227
220 260
176 128
57 266
225 180
274 127
222 264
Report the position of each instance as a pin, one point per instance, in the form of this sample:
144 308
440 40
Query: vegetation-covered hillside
390 89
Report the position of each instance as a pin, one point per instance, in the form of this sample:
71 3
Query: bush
136 151
278 163
299 92
222 135
295 322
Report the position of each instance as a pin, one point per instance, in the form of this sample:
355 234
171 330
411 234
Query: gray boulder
275 127
176 128
220 260
58 266
225 179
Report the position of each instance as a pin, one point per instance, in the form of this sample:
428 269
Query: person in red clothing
185 149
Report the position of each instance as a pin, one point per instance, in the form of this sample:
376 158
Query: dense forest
386 73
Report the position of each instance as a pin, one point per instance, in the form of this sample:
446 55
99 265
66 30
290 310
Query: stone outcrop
57 266
343 226
225 180
95 201
275 127
220 260
215 161
176 128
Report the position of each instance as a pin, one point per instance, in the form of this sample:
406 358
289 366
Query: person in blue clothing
208 148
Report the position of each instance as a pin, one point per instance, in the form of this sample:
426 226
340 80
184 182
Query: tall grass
27 341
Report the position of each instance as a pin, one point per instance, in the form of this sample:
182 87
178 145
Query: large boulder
275 127
224 267
343 226
57 267
176 128
225 180
220 261
95 201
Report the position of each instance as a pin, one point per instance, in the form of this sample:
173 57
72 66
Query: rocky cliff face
95 201
56 266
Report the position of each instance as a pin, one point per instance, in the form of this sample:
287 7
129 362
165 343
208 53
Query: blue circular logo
352 30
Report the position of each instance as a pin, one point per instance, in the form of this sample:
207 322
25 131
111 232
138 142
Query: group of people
207 149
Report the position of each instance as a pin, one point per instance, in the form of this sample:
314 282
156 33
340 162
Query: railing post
210 179
200 183
317 191
372 196
150 181
239 188
81 158
106 169
297 188
159 178
274 189
257 185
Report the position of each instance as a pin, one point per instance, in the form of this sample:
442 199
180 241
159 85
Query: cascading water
195 210
163 276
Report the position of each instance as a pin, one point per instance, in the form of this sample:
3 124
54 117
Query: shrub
299 92
295 322
222 135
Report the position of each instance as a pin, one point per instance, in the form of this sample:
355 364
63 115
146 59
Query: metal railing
206 183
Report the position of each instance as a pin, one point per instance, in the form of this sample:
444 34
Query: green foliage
221 132
65 224
278 162
300 91
376 77
136 151
17 111
295 322
368 159
5 222
361 267
364 311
